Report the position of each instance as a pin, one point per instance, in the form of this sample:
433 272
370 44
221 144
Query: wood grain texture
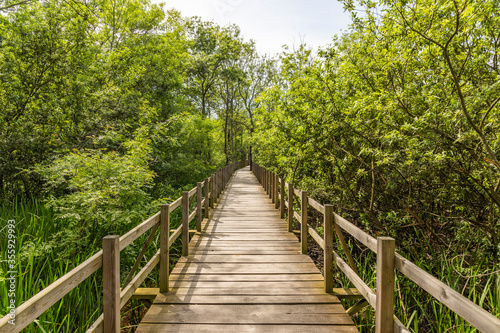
111 283
245 272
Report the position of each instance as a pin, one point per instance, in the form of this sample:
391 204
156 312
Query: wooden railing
382 300
115 297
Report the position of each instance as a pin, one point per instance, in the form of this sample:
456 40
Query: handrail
27 312
462 306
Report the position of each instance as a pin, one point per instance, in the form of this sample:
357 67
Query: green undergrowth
38 264
415 308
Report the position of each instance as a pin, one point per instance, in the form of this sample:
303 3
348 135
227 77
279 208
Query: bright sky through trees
273 23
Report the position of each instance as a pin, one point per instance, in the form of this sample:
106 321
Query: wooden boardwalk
245 273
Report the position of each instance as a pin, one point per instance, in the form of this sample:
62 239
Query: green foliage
104 193
396 124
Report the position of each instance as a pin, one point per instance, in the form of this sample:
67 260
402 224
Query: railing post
328 254
290 207
282 198
276 197
164 248
219 183
224 178
384 322
199 197
303 225
185 223
271 187
207 199
111 283
212 191
265 180
216 186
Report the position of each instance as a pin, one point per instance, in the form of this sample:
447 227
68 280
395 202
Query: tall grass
38 265
418 310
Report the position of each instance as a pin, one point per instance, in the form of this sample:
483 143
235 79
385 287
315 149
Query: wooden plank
247 299
207 258
228 250
244 264
242 314
256 268
201 284
256 328
146 293
249 288
247 277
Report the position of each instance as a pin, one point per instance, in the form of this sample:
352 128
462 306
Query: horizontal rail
192 216
316 237
174 236
316 205
27 312
138 231
192 192
175 204
357 233
465 308
297 216
296 192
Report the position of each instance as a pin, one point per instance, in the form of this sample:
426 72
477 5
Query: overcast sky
272 23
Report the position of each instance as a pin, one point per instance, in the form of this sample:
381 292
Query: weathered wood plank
246 271
231 328
246 299
207 258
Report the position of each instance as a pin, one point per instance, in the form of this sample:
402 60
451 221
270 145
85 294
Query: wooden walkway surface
245 273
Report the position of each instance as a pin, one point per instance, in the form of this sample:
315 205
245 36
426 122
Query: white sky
272 23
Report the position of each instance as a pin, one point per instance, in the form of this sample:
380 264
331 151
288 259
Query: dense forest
110 108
